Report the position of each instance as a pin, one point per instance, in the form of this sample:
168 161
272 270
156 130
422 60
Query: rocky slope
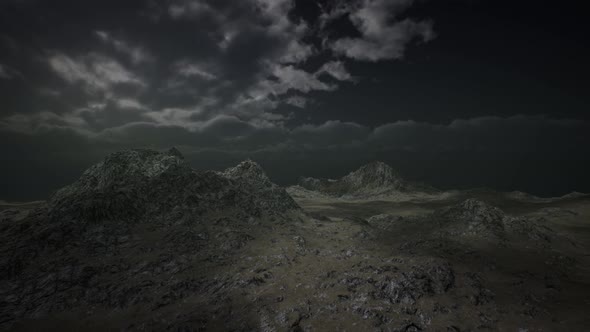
123 233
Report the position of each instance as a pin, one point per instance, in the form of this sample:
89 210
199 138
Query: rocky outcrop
426 280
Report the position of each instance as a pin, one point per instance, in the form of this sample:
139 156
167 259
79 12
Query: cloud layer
227 80
183 62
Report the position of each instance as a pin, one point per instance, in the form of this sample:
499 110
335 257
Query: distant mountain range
373 179
377 180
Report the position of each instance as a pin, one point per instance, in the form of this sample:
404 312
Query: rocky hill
138 183
370 180
123 234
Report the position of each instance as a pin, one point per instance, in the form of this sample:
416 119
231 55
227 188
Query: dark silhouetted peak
175 152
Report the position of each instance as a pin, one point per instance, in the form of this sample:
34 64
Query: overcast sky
457 93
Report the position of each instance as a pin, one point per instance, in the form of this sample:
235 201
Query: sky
454 93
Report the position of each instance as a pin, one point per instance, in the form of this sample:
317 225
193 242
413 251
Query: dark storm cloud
177 62
331 133
381 36
95 72
136 54
8 73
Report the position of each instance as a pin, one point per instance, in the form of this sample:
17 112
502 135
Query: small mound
476 218
473 217
311 183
